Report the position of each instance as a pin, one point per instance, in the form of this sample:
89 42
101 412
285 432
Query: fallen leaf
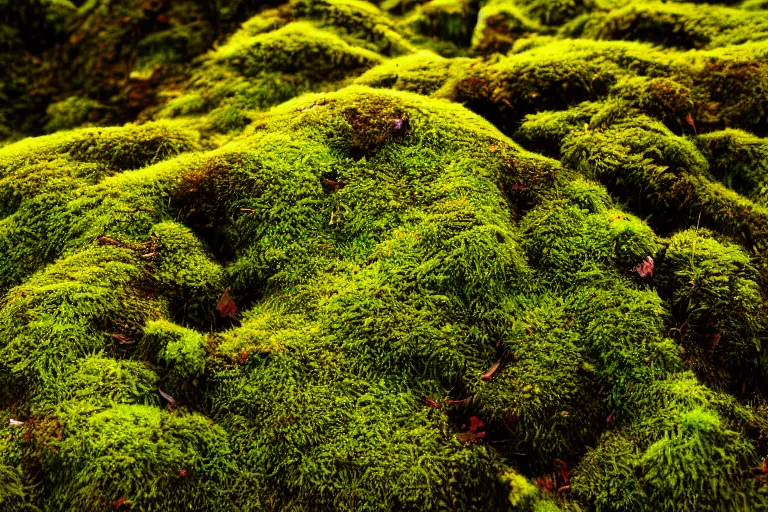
398 124
689 120
226 306
645 269
119 502
15 423
168 397
475 423
489 374
124 340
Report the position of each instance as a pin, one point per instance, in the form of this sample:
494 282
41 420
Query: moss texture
400 255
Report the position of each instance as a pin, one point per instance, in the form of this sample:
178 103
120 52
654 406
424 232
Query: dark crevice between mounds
203 202
506 109
666 33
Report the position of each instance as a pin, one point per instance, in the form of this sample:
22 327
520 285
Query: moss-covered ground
401 255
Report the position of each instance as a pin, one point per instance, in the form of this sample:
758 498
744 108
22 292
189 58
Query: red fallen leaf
183 473
124 340
489 374
243 357
472 434
163 19
611 417
645 269
715 340
475 423
430 402
458 402
226 306
119 502
689 120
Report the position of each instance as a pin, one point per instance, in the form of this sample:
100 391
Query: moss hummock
400 255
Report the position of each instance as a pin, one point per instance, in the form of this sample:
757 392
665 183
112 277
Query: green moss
400 270
499 24
359 20
541 395
450 20
185 272
105 381
423 72
72 112
72 309
138 453
678 25
181 350
737 159
717 302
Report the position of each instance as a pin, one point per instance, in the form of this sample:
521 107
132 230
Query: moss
181 350
557 12
72 112
660 97
186 272
553 76
359 19
424 72
540 396
370 297
678 25
104 381
738 160
46 181
136 455
717 302
289 48
450 20
499 24
71 309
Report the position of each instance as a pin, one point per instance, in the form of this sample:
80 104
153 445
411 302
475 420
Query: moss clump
322 283
499 24
739 160
100 450
71 309
717 302
682 25
424 72
185 272
182 351
451 20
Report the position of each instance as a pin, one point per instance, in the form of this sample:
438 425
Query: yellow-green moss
369 297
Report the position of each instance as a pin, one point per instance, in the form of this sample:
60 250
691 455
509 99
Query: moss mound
399 255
